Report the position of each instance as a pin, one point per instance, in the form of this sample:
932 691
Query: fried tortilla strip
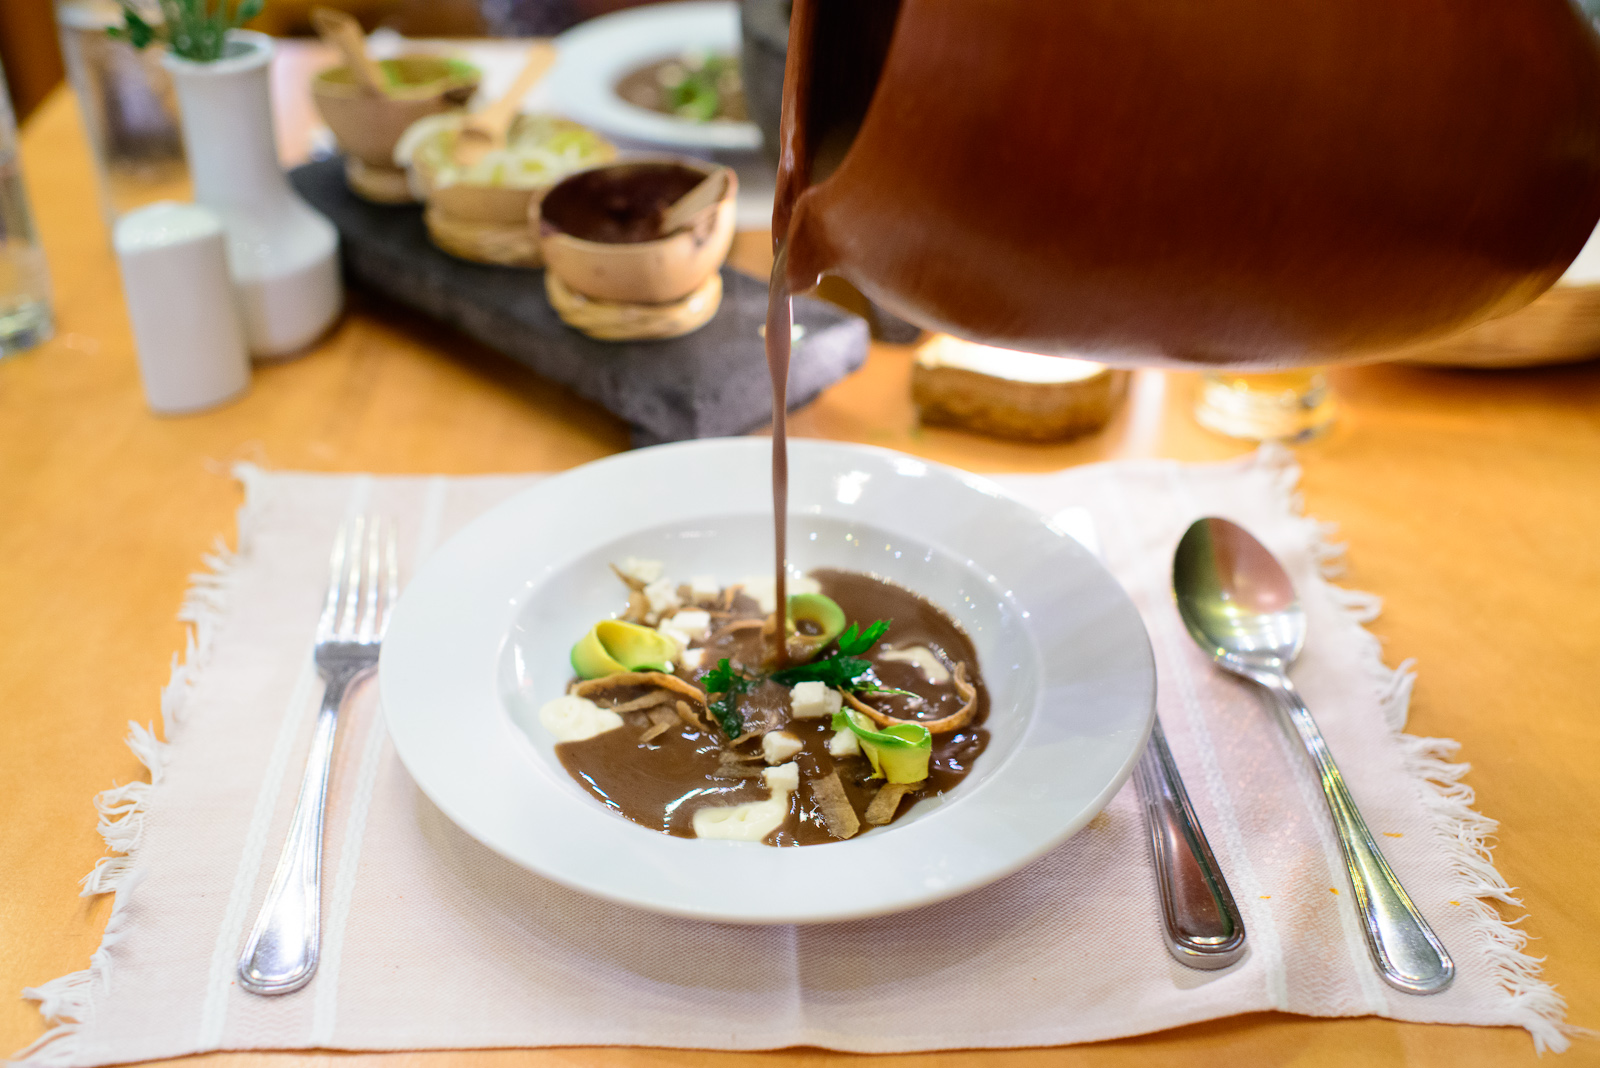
735 627
661 721
638 606
953 722
627 580
738 771
731 765
887 800
641 678
649 700
838 815
686 714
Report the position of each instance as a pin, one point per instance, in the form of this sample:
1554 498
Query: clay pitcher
1245 182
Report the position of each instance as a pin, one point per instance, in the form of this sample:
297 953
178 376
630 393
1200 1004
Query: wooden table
1471 502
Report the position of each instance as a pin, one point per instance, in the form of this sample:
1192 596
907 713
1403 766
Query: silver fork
281 955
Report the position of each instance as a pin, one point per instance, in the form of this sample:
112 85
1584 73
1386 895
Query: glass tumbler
1268 406
24 279
129 108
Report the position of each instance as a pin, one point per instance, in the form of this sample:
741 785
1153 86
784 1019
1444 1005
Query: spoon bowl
1240 606
1235 598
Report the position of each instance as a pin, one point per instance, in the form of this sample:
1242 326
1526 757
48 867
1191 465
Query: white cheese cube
661 596
686 626
703 588
778 746
691 659
813 700
641 571
691 621
844 744
785 778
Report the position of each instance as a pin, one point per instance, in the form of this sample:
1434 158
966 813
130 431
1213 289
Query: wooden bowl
657 271
368 127
494 222
609 320
1015 395
1561 326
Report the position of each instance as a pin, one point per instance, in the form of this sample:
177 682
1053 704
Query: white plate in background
594 55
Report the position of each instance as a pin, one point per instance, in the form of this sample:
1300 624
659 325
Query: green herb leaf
135 30
724 680
839 672
845 668
855 641
873 687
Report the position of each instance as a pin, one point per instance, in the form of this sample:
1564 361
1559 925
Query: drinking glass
24 279
129 108
1274 406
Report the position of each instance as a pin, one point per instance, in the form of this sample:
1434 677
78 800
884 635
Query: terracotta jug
1245 182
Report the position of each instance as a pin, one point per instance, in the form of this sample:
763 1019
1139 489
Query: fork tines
363 581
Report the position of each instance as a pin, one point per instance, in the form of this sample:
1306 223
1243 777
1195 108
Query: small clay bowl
489 222
597 230
368 126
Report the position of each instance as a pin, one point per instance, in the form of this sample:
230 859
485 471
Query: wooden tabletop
1470 501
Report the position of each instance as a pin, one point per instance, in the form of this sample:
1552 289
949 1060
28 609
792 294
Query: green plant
193 29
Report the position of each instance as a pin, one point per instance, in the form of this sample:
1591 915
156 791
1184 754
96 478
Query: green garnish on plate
727 682
844 669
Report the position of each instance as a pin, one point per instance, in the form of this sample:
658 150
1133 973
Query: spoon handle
1404 948
1203 925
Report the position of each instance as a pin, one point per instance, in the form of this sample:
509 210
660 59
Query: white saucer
481 637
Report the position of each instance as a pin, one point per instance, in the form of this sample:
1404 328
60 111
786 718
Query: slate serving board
710 383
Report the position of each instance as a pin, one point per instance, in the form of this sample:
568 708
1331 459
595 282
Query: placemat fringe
67 1003
1536 1006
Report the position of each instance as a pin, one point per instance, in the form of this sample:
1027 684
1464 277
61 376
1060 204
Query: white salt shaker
174 260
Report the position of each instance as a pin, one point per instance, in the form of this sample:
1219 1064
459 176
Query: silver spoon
1239 604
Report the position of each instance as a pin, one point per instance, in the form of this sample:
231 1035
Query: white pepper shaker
174 260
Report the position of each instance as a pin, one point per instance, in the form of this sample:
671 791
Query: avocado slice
899 752
814 621
613 646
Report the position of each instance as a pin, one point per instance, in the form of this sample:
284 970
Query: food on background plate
698 86
488 211
682 718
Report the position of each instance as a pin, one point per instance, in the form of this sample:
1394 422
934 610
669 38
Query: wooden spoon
486 130
344 33
706 192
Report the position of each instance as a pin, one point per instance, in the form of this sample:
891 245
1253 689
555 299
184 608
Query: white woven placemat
432 941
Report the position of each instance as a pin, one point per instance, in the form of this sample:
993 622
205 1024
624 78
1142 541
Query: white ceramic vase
283 256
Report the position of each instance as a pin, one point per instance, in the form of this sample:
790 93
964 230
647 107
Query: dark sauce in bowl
663 782
617 205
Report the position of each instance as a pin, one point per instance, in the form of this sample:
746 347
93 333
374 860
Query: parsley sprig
727 682
844 670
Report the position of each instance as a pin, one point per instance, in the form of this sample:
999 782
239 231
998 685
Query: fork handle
1403 947
1202 922
281 954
